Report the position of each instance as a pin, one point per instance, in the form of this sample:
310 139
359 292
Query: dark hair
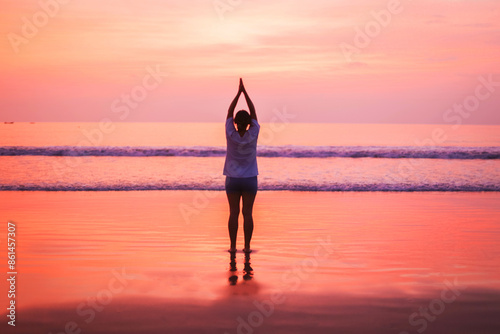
242 117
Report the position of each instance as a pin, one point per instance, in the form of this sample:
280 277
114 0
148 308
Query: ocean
291 156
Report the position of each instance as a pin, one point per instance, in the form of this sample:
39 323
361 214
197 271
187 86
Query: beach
347 262
370 131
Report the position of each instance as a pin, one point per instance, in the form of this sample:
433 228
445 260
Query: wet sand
156 262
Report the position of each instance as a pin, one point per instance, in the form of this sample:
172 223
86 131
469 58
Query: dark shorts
241 184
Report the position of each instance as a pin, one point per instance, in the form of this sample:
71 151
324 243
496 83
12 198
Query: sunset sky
419 59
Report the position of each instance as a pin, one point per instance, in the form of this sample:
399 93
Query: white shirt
241 154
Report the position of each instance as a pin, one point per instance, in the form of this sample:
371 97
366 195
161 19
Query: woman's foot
232 250
247 250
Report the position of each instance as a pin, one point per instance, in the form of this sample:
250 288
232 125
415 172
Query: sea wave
441 187
387 152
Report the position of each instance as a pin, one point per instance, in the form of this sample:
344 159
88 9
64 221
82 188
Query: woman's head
242 119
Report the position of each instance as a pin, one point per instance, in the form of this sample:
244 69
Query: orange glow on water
70 243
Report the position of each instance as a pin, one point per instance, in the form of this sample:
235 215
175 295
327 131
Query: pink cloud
90 52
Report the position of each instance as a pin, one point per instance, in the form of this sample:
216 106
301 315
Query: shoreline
15 189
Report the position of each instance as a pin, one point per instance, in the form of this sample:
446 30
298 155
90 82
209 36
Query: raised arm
251 107
230 112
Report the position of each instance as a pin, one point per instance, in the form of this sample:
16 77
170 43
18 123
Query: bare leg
234 212
248 200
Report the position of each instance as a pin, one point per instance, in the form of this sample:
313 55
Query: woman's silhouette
240 167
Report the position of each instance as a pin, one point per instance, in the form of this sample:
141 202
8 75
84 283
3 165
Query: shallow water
195 173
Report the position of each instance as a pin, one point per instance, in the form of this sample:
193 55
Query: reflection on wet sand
233 277
248 271
233 270
246 285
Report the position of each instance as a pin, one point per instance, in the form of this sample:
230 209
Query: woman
240 167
